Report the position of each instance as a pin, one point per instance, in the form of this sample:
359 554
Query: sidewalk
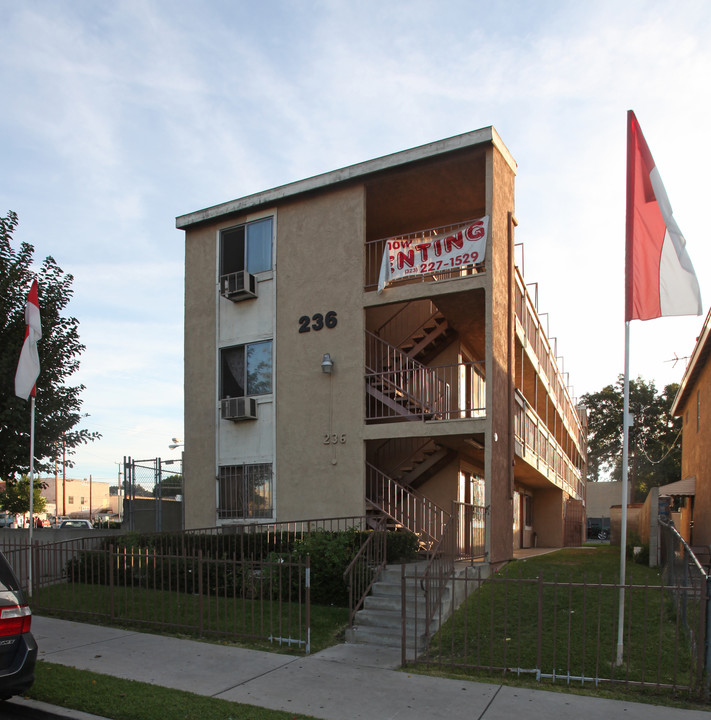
342 683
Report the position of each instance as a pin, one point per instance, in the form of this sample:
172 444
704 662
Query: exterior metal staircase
419 329
423 467
406 387
380 621
404 508
411 461
400 385
429 339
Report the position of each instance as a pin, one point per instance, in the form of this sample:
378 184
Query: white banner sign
408 257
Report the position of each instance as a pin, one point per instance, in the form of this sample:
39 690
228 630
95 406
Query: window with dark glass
246 247
245 491
246 370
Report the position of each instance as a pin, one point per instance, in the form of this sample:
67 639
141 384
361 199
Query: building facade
693 405
362 343
78 498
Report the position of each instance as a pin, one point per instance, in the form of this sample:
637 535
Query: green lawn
493 637
250 622
129 700
557 614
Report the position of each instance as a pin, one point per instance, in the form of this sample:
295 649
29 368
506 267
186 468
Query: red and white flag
659 279
28 367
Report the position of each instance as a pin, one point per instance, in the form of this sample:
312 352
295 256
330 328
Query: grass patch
556 615
244 622
130 700
645 695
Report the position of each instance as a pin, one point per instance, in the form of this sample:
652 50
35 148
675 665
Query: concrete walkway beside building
341 683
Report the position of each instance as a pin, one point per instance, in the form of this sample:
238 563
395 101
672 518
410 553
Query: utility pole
64 478
118 494
56 483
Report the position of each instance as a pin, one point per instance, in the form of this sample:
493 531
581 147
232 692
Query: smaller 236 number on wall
318 321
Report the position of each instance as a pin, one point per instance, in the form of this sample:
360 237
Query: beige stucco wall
600 497
499 359
443 487
200 398
320 251
548 517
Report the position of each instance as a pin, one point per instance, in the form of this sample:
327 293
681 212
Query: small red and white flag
659 278
28 367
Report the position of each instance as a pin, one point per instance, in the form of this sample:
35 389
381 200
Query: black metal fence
193 583
563 631
690 591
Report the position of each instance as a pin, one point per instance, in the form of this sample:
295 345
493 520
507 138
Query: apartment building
362 344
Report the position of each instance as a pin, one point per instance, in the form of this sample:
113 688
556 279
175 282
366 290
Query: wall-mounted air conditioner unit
238 286
239 408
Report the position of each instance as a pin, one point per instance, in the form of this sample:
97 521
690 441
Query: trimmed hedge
245 565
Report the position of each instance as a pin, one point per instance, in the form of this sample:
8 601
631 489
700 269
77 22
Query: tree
654 436
15 498
170 486
58 404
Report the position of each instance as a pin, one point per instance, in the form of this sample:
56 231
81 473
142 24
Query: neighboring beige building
600 497
309 394
78 498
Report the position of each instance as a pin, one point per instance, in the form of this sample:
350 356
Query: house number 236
334 439
318 321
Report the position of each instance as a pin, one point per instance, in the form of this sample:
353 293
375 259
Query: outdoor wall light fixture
327 363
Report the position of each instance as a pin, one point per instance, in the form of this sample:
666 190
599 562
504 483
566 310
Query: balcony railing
539 448
538 343
374 255
445 392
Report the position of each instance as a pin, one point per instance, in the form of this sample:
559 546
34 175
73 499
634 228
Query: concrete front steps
379 622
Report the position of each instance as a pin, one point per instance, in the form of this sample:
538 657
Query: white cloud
124 115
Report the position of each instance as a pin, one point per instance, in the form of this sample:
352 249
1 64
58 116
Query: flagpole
623 520
32 488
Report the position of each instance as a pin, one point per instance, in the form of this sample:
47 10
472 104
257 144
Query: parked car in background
76 525
18 649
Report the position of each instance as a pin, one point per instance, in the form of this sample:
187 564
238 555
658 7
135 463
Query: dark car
18 649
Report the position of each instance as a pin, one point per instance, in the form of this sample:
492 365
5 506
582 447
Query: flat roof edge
403 157
685 383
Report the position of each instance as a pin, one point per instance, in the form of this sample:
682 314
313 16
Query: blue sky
118 117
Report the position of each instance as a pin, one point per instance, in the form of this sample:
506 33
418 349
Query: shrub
330 554
642 557
250 564
403 546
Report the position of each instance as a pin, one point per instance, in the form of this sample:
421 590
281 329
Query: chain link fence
153 494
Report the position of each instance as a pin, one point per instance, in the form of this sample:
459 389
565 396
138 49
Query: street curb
44 711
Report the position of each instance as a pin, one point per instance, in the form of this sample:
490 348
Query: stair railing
365 569
417 388
471 532
439 571
410 509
